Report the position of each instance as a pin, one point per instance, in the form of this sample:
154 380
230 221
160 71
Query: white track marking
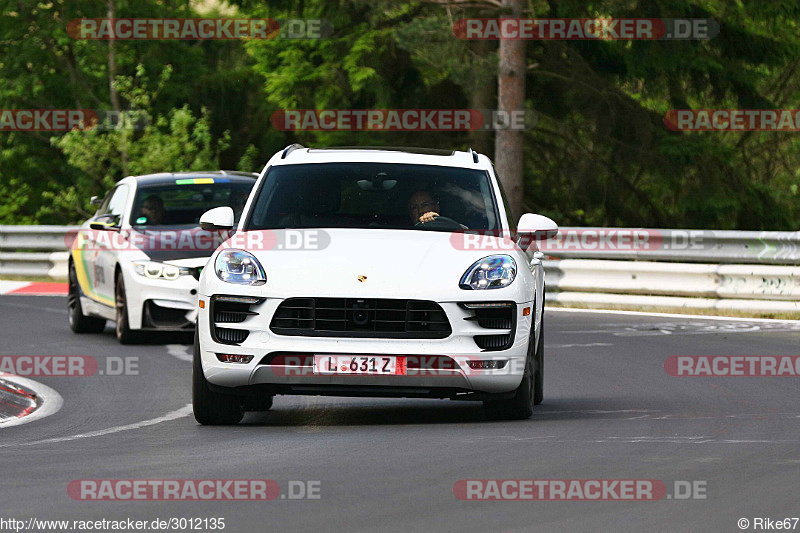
589 345
172 415
180 351
51 401
667 315
7 286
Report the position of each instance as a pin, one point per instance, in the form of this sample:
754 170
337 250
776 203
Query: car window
183 201
115 203
373 195
104 204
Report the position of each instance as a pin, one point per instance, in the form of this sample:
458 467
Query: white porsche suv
372 272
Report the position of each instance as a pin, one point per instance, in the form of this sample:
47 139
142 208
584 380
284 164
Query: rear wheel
211 408
125 335
78 322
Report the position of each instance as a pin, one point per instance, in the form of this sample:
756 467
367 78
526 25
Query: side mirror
106 222
96 200
537 225
219 218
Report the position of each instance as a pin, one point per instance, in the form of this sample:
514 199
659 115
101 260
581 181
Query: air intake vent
492 342
493 316
165 317
231 336
231 310
361 317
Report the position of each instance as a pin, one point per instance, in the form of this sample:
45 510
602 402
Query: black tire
211 408
125 335
78 322
538 389
530 391
257 403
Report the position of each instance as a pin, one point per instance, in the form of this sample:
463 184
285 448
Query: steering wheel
439 222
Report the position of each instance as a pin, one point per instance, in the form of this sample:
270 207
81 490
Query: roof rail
291 148
474 155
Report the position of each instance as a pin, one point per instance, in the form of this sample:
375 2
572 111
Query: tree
508 147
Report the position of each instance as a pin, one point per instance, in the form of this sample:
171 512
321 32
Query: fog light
234 358
494 364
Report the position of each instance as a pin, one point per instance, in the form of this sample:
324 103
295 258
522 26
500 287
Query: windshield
374 195
182 204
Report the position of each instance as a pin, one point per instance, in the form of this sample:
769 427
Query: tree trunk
482 96
511 97
112 75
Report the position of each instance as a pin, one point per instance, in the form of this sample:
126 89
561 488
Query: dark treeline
599 155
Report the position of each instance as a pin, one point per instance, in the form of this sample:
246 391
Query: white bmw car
137 260
372 272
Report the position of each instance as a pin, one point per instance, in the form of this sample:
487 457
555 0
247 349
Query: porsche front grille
361 317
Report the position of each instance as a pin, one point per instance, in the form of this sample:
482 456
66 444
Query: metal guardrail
684 286
671 245
34 251
688 269
40 238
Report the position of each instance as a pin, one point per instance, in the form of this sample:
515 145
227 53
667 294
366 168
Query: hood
374 263
188 247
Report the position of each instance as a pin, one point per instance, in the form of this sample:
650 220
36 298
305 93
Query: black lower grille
361 317
156 316
493 316
231 336
492 342
230 310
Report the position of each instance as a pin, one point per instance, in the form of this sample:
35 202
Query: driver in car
422 207
153 209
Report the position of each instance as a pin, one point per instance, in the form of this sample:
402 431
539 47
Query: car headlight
493 272
154 270
237 266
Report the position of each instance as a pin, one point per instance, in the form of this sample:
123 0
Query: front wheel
211 408
125 335
78 322
538 391
530 390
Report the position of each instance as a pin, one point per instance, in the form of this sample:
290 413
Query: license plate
377 365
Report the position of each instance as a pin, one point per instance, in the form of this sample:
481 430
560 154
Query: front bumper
159 304
277 378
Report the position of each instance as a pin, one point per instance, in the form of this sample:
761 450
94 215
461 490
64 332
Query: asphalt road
610 412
